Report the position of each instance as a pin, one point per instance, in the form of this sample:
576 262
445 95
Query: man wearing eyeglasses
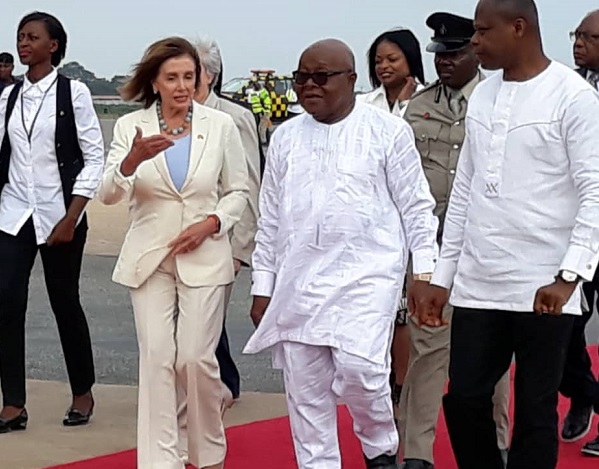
343 201
578 382
586 48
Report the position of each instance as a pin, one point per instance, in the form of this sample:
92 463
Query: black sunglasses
319 78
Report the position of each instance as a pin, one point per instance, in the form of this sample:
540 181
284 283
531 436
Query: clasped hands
426 301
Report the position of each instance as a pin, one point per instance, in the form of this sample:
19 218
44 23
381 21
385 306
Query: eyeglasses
319 78
585 36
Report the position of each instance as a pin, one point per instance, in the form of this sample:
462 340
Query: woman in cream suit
181 168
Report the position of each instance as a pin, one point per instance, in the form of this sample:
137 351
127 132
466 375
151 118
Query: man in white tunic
344 201
521 232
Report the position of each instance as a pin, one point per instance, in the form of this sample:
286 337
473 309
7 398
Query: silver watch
568 276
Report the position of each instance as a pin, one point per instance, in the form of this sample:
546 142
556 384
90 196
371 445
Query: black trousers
578 382
62 267
483 343
229 374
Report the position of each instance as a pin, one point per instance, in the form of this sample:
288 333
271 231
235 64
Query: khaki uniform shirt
439 134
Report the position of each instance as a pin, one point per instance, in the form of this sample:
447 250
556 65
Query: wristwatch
568 276
216 219
423 277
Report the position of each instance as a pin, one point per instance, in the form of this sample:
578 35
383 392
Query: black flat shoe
76 418
577 423
16 424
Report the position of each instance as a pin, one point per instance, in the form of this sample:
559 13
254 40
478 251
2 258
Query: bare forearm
76 207
129 165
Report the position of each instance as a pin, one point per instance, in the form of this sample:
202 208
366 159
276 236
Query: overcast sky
108 36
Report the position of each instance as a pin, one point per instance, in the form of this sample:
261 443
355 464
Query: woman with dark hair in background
51 163
396 72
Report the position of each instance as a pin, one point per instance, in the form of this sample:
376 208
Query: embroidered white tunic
330 248
525 201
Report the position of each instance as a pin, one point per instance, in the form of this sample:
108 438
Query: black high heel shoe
76 418
16 424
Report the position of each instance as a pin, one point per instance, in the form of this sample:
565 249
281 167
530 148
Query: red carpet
267 445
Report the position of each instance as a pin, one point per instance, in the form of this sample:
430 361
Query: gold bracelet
423 277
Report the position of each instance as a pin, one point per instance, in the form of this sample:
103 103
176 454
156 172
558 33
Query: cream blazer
242 236
216 183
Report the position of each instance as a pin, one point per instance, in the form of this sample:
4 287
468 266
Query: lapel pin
427 115
61 113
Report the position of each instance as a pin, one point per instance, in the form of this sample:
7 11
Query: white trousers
178 329
315 379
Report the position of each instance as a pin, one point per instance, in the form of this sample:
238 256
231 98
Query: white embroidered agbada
341 206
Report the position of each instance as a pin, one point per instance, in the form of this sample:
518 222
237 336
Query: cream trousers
182 400
178 328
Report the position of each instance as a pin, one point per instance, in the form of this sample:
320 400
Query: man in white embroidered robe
344 201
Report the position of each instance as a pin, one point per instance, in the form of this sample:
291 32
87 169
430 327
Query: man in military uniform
437 115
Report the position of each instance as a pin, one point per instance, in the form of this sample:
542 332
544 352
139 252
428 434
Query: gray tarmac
112 329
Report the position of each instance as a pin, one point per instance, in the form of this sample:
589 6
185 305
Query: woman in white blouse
51 162
395 70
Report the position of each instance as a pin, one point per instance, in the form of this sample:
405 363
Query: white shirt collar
43 85
379 92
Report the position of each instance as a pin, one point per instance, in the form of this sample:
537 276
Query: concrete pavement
113 428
